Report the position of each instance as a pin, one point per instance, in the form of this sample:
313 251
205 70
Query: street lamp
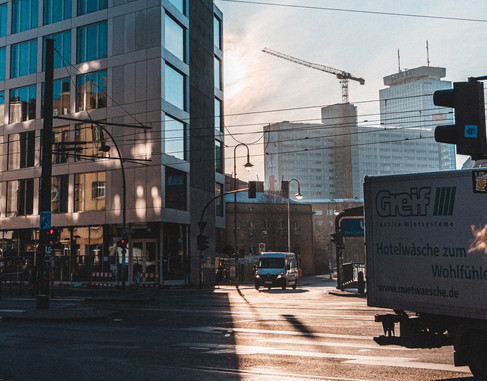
248 166
299 196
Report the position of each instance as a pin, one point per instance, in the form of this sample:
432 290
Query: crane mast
342 75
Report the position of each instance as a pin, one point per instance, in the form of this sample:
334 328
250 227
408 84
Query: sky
363 44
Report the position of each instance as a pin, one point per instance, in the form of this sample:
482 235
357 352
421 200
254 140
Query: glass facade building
131 74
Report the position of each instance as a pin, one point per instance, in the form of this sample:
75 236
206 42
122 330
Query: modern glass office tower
330 159
151 74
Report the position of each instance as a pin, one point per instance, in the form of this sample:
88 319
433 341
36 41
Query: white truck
421 261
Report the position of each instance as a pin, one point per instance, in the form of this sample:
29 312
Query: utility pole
44 255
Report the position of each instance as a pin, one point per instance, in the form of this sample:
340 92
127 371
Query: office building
156 66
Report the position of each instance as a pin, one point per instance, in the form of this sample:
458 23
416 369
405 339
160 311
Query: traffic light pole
43 259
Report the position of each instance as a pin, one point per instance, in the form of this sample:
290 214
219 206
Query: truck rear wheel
477 357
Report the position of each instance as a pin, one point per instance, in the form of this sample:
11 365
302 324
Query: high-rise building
330 159
117 64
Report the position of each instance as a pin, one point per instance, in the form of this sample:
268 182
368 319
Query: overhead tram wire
310 7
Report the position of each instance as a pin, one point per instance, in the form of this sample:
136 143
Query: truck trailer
424 262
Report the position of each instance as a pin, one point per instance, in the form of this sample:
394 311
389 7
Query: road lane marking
308 341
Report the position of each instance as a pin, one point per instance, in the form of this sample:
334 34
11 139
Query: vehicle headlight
279 276
257 275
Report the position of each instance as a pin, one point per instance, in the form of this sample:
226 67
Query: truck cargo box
418 232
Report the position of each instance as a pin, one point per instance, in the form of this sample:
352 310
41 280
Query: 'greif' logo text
416 202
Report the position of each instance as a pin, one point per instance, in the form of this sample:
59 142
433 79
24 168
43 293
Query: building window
62 46
218 156
218 118
24 15
2 107
179 4
22 104
175 189
97 190
174 138
23 60
21 150
174 87
56 10
92 42
3 63
93 138
219 204
61 93
59 194
91 91
174 37
60 135
83 191
218 73
88 6
3 20
251 229
296 229
217 32
282 229
20 197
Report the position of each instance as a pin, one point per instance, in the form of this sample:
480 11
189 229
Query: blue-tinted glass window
3 20
22 104
174 34
88 6
24 15
174 85
92 42
56 10
23 59
179 4
3 52
60 97
91 90
2 107
62 49
174 138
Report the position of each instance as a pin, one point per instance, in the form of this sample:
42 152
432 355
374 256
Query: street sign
352 227
45 220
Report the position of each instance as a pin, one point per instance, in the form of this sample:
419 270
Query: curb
75 315
348 294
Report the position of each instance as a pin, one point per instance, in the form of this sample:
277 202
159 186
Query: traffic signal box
202 242
468 132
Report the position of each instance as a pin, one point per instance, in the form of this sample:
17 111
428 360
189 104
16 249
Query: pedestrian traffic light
252 192
202 242
468 132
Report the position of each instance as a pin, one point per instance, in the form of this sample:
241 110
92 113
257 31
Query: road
224 334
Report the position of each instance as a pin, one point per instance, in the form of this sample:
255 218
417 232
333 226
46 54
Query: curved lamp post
248 166
106 148
299 196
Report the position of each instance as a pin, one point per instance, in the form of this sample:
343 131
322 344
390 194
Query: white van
276 269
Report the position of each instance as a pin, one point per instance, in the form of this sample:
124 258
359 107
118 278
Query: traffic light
285 189
202 242
468 132
337 239
122 243
54 235
252 192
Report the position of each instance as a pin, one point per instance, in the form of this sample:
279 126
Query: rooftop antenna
398 62
427 54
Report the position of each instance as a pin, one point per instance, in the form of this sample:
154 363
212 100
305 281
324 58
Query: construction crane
343 76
